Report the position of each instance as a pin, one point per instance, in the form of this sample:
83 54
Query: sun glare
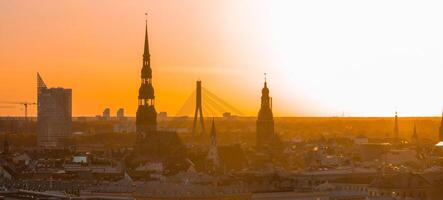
353 61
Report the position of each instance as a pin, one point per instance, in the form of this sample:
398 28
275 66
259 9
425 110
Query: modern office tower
54 115
106 114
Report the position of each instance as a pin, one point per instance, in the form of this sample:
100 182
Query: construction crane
25 104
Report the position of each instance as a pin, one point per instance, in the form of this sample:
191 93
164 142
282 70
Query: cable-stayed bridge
202 103
211 105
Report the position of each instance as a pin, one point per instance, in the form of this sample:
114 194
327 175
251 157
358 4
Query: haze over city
323 58
221 100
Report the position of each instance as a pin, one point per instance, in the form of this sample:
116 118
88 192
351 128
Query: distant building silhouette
162 116
146 117
54 114
227 115
106 114
120 114
265 121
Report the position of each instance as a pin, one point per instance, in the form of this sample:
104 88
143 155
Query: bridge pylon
198 110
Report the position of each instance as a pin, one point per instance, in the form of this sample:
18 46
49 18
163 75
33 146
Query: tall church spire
146 117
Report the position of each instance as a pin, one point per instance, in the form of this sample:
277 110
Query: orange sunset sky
363 58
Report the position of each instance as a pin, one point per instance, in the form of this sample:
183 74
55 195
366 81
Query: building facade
54 115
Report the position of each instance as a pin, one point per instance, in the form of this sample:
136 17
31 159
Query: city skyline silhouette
221 100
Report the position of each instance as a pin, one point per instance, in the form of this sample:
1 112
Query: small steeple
213 149
265 93
396 130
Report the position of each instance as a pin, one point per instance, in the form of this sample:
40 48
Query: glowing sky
363 58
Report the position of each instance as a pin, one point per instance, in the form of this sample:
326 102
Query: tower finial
146 54
265 76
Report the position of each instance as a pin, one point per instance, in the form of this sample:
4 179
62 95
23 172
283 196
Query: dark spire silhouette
265 121
396 129
213 149
146 55
146 117
265 99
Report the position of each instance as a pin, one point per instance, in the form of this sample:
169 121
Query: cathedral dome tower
265 121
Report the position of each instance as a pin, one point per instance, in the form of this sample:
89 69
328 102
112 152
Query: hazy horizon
322 58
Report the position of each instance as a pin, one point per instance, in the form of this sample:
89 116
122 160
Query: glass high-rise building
54 115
